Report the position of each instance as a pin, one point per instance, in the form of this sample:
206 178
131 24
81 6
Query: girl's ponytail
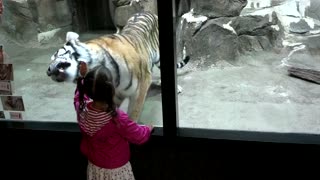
109 99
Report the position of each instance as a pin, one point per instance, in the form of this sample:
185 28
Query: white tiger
129 55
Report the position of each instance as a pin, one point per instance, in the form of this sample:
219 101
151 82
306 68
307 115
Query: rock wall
313 11
214 30
36 21
122 10
47 21
223 30
217 8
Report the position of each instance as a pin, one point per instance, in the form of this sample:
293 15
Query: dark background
35 154
92 15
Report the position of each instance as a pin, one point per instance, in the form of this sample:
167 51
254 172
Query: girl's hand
83 68
151 128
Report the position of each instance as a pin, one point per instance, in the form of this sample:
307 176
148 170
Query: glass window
254 65
34 32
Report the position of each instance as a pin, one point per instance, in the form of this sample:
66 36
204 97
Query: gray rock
211 42
267 34
113 4
118 3
218 8
25 20
301 27
120 13
227 38
183 7
249 44
56 36
253 25
277 2
314 10
150 5
313 45
51 14
123 13
18 21
20 8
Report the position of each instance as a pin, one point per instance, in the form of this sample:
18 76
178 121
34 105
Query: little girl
106 130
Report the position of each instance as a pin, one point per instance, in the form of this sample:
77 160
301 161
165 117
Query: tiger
130 55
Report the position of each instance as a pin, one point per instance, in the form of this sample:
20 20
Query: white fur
72 36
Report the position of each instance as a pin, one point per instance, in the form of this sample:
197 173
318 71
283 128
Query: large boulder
226 38
218 8
213 42
300 27
258 32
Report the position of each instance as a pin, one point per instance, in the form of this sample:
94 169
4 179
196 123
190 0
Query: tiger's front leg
137 100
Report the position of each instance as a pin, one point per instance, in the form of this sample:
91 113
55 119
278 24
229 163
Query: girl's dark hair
97 85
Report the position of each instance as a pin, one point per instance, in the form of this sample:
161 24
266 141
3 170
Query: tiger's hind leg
179 88
137 100
179 65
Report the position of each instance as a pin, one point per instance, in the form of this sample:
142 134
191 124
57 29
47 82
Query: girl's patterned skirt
122 173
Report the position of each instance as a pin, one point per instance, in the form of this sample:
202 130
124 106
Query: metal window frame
169 97
171 130
168 74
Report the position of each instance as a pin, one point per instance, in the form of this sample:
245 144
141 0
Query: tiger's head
64 65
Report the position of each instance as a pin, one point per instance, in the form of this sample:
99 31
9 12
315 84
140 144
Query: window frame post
168 70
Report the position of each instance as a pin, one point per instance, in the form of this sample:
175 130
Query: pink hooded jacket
105 139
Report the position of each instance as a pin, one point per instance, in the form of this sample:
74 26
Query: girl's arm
76 101
133 132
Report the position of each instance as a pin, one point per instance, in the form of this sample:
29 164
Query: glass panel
254 65
33 36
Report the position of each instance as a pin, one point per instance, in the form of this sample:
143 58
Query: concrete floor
257 95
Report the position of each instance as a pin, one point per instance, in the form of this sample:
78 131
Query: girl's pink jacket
109 146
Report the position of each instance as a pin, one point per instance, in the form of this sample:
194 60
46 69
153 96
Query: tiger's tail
180 64
183 62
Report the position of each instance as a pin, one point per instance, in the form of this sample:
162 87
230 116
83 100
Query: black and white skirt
97 173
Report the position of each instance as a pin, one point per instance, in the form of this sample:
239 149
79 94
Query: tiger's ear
72 36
